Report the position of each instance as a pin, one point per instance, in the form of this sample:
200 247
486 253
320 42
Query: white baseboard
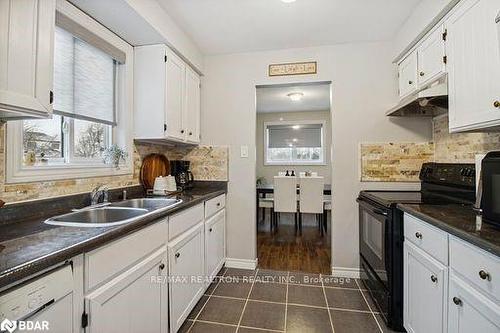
346 272
241 263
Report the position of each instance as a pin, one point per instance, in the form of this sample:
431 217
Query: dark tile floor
248 301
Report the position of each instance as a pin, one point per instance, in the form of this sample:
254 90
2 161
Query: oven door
374 230
490 170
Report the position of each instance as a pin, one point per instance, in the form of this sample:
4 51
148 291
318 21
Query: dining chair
311 199
285 198
267 203
327 201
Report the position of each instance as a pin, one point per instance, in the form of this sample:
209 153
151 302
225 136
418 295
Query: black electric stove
381 231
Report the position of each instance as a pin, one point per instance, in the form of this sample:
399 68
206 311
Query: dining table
265 189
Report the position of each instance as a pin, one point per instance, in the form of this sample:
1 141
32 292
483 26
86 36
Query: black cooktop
392 198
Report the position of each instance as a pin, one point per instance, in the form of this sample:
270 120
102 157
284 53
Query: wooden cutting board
153 166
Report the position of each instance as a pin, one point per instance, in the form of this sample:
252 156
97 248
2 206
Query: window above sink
92 108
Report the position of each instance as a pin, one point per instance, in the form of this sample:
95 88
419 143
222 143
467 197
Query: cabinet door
431 54
470 311
26 56
425 290
175 83
407 71
134 301
474 66
186 274
192 111
215 253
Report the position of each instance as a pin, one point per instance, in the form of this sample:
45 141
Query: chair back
285 194
311 195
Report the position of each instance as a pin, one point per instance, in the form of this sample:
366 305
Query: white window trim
295 122
16 172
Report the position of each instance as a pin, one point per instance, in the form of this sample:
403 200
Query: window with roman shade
294 144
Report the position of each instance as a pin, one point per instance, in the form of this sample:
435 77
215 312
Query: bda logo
8 325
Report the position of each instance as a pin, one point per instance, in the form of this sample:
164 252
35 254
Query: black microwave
490 178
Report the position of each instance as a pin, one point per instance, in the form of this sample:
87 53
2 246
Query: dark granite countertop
458 220
30 246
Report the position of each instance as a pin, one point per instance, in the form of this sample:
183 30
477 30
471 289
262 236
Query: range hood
427 102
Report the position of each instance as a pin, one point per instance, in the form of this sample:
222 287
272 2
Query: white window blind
300 136
84 80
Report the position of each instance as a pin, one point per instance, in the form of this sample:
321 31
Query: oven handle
371 208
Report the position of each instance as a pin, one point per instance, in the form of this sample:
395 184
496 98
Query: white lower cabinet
469 310
215 251
134 301
459 297
425 291
186 274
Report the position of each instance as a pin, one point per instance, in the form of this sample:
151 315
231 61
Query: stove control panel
449 173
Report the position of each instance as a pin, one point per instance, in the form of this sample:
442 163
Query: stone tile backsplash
394 162
208 163
401 162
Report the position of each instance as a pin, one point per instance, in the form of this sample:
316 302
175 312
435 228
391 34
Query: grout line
216 323
246 301
261 329
286 298
327 305
369 307
209 296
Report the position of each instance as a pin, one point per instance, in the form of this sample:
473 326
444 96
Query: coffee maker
183 177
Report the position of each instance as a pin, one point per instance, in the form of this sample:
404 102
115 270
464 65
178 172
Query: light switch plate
244 151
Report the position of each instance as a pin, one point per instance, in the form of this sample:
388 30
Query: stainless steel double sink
112 214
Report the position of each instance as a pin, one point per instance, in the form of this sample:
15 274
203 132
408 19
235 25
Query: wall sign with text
296 68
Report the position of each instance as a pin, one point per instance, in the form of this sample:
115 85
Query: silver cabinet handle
177 255
418 235
457 301
434 278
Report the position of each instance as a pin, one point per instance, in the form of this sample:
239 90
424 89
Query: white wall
269 171
364 86
420 18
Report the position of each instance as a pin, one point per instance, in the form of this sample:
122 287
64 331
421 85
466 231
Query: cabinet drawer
428 238
477 266
185 220
105 262
212 206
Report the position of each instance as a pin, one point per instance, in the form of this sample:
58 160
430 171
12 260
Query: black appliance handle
372 208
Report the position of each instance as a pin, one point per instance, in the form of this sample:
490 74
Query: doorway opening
293 172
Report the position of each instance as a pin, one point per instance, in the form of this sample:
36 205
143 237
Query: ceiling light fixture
296 127
295 96
288 1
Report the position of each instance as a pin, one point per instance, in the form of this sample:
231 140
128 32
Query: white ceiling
275 99
231 26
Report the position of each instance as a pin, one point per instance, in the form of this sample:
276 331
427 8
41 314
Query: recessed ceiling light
295 140
290 145
287 1
295 96
296 127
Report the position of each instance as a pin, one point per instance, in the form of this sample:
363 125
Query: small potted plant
114 155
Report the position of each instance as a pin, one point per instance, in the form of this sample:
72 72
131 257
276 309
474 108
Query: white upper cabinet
474 66
193 102
26 58
431 57
167 96
407 73
175 92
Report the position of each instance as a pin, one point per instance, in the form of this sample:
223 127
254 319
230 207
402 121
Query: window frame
17 172
295 162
